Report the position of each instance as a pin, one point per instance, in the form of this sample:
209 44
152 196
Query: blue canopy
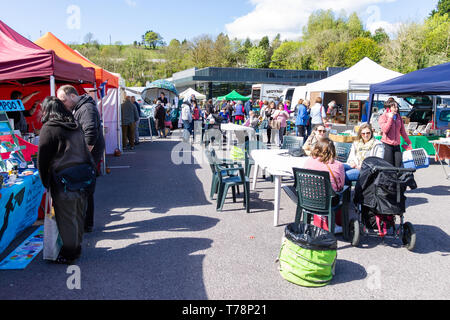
429 81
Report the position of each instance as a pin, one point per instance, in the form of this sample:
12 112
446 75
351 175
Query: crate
416 159
342 138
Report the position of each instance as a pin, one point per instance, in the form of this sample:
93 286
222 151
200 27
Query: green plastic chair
292 142
226 181
315 195
213 161
342 151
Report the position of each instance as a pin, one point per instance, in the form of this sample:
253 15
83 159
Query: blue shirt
302 115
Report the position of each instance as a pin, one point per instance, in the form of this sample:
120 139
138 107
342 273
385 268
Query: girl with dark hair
392 127
61 147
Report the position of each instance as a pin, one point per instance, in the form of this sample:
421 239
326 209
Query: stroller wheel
354 232
409 236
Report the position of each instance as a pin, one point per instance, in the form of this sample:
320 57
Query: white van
269 92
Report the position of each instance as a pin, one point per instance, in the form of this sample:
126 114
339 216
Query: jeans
300 131
350 174
187 126
282 132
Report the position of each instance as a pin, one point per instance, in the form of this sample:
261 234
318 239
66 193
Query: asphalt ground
157 236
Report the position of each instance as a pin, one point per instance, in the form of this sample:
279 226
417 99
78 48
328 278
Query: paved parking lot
158 236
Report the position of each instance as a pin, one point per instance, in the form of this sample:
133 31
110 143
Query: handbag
78 177
275 124
52 239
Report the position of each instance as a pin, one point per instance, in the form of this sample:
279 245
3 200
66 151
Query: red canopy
22 60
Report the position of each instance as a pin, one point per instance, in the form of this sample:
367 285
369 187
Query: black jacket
61 145
87 115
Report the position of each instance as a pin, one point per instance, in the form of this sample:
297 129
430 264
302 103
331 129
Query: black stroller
379 199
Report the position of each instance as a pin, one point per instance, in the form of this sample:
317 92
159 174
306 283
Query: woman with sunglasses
318 133
365 146
392 127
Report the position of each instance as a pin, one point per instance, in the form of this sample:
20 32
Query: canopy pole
52 86
434 112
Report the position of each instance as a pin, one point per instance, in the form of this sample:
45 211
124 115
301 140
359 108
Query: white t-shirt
186 113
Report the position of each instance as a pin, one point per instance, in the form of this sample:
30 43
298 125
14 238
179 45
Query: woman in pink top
323 158
282 116
391 124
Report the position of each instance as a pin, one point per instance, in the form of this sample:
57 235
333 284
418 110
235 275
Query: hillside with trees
328 40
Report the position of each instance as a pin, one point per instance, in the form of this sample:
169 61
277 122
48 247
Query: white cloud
287 17
131 3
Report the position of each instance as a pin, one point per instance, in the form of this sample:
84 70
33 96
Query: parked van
269 92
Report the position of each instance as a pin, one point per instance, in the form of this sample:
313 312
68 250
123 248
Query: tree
222 52
360 48
380 36
257 58
442 8
284 57
89 38
202 51
437 35
336 55
152 39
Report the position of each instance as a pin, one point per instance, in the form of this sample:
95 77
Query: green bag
308 255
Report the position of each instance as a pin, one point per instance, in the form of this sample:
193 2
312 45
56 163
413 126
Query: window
445 116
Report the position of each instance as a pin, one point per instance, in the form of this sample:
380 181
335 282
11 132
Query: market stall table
418 142
279 164
442 148
19 205
229 128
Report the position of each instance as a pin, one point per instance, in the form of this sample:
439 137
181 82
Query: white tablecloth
278 163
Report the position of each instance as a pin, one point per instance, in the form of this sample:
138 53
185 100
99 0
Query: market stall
106 83
430 81
187 94
350 89
233 96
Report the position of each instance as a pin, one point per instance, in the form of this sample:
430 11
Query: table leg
229 135
277 180
255 176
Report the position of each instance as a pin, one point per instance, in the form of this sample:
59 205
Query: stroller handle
394 169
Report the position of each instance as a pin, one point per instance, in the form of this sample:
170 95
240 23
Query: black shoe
64 260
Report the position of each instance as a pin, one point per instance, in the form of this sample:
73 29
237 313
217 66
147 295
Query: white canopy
189 92
358 78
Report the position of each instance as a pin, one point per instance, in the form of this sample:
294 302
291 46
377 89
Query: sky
126 21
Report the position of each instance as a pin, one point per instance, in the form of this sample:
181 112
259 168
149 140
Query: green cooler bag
308 255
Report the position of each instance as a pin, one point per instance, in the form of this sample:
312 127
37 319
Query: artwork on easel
15 149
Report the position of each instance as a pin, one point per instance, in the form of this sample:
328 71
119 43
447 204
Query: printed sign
145 125
19 206
11 105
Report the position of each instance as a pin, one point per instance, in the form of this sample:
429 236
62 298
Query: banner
110 119
11 105
19 206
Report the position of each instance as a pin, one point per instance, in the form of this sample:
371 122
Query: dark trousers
70 208
269 134
393 155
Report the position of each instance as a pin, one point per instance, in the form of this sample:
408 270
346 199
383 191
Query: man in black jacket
85 111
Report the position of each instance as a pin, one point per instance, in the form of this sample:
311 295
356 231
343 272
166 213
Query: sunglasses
365 133
321 131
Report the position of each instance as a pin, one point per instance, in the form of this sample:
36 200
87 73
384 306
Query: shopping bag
52 239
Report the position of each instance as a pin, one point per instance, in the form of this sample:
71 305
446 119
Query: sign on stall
11 105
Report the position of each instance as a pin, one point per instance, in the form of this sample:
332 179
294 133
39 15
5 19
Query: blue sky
127 20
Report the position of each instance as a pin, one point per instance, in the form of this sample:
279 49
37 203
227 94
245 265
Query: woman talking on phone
392 127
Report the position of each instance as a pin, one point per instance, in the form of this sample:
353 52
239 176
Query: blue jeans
350 174
187 126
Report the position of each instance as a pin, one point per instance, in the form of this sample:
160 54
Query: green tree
152 39
257 58
285 56
201 51
336 55
442 8
380 36
437 35
222 52
362 47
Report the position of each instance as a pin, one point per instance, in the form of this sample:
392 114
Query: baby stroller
379 199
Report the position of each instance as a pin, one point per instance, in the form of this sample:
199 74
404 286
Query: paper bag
52 239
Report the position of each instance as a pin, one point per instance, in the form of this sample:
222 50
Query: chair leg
298 215
331 221
220 197
233 189
247 196
214 184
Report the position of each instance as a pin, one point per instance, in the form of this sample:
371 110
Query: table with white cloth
279 164
442 148
229 128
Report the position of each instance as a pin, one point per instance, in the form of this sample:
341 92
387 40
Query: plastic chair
213 161
249 146
315 195
342 151
292 142
226 182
